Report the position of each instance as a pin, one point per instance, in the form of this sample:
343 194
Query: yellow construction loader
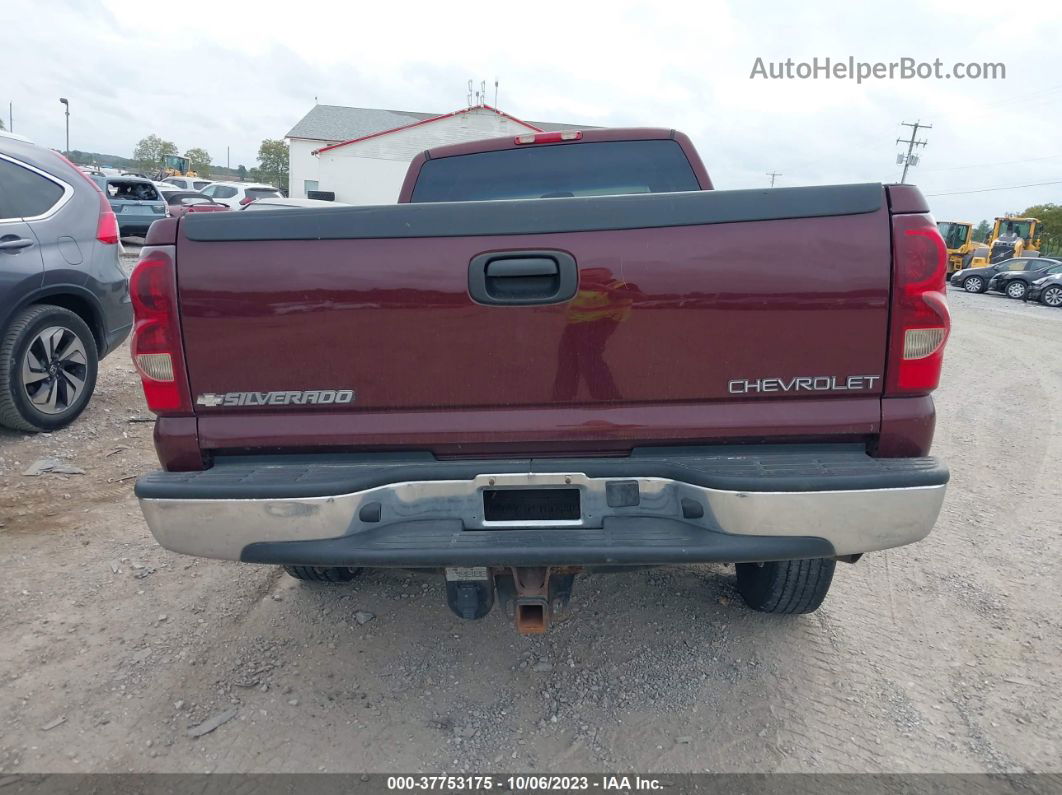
958 237
1014 237
175 166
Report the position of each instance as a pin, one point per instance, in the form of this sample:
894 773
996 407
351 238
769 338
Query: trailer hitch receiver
535 596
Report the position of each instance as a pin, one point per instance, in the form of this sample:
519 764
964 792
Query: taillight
156 345
245 201
549 138
107 223
920 322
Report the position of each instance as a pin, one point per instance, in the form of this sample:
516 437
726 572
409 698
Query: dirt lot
943 656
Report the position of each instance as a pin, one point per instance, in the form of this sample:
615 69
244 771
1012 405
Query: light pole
66 102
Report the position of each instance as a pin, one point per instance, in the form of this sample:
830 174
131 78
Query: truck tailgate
691 311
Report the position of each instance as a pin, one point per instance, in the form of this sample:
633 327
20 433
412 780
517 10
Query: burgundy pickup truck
558 353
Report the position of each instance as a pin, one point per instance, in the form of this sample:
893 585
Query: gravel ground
943 656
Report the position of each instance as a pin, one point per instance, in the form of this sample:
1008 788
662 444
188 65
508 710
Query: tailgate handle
522 278
526 266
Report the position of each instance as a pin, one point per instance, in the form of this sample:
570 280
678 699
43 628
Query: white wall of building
302 165
371 171
363 180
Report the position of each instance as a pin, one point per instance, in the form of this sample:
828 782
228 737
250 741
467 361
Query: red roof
429 121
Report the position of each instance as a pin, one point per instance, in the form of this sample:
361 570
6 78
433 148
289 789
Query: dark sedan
1047 290
975 280
1015 284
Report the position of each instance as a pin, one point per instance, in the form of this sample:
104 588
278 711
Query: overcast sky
221 73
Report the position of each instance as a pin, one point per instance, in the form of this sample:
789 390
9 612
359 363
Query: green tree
273 163
2 127
981 231
1050 216
199 161
149 152
241 172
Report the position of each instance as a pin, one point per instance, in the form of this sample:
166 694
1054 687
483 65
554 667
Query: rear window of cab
556 171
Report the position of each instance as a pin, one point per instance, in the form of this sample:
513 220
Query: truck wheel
788 586
48 364
323 573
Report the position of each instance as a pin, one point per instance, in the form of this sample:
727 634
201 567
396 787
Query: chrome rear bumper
621 520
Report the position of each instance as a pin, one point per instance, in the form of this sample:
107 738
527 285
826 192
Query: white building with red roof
361 154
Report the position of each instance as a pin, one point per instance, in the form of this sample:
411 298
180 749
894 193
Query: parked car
515 404
188 183
975 280
1015 284
237 194
1047 290
64 299
136 202
275 204
179 202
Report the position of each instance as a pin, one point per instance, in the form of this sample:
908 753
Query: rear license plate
138 209
531 505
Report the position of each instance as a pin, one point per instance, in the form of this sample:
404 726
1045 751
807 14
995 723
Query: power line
1009 100
998 163
910 158
1001 187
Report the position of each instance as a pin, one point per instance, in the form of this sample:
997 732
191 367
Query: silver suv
64 299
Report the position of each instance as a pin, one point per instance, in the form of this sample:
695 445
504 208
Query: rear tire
787 586
48 365
323 573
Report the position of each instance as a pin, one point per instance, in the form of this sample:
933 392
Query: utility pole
772 175
227 157
66 102
911 159
11 116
